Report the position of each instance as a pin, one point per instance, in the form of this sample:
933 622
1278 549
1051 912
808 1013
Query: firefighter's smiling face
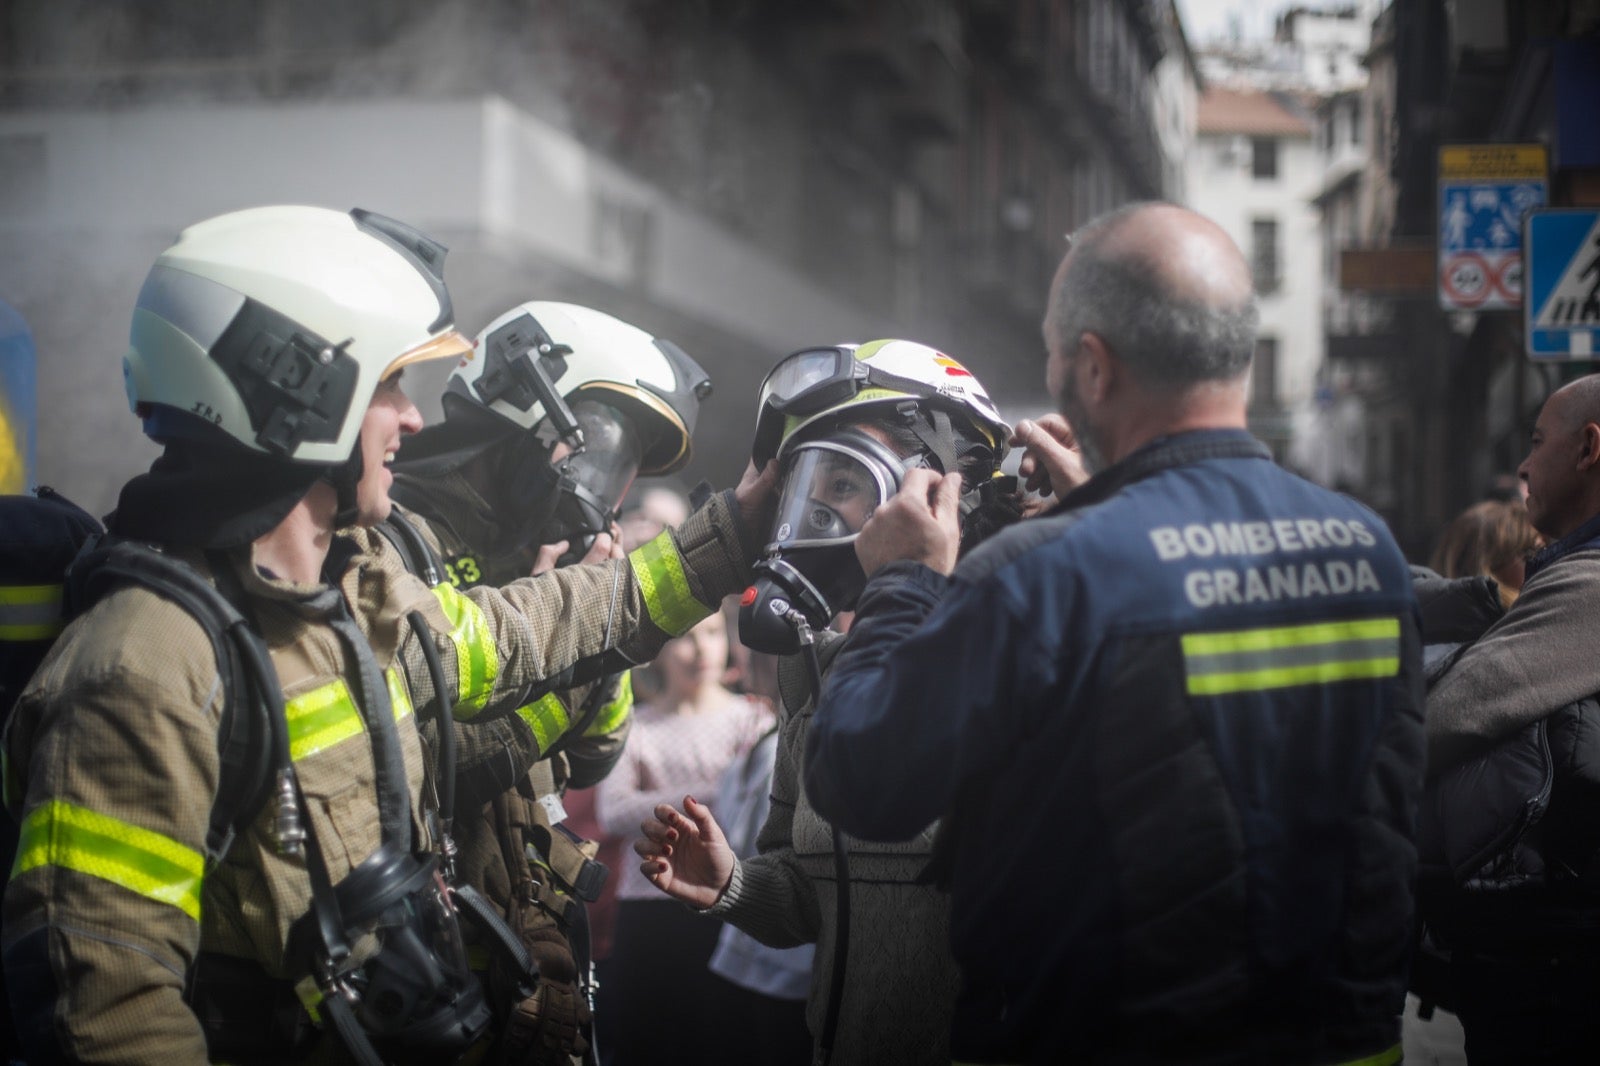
390 416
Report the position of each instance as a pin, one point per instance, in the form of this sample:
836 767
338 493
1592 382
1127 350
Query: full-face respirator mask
397 963
592 480
828 488
845 423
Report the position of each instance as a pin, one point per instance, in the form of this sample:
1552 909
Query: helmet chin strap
345 477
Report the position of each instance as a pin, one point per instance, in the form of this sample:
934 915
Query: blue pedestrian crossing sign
1561 247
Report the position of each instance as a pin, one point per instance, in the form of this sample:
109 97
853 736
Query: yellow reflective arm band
613 714
321 718
548 718
1389 1056
1255 660
144 862
30 612
399 695
665 587
477 658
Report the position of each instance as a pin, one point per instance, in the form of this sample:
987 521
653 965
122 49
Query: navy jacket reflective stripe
1178 728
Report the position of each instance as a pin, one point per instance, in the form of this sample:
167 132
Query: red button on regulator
749 597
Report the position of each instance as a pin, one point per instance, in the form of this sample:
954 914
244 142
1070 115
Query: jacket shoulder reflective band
147 863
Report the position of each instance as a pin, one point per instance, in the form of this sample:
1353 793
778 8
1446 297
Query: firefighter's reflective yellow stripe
613 714
1252 660
399 695
477 659
144 862
1387 1057
30 612
665 587
321 718
548 718
326 715
310 997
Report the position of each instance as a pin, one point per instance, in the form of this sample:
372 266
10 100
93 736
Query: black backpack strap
252 701
417 554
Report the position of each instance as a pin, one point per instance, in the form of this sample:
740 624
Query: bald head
1166 289
1562 469
1577 402
1188 255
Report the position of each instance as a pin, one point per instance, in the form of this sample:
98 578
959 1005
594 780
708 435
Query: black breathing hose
841 870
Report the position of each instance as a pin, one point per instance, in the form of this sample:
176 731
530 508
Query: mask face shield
829 489
593 481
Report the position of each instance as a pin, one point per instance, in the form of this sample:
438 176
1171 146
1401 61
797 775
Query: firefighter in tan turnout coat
266 352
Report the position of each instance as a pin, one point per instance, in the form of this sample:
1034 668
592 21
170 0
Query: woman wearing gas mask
844 424
547 422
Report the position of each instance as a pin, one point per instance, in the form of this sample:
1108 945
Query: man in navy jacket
1174 725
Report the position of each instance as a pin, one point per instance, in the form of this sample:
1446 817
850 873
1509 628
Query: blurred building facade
744 177
1450 396
1266 159
1255 170
1313 49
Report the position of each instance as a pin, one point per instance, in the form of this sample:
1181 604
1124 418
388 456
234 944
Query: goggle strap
940 440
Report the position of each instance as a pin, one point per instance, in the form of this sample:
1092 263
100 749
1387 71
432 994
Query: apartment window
1264 157
1355 124
1264 373
1264 254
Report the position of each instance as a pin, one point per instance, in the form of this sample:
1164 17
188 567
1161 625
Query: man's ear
1589 446
1098 369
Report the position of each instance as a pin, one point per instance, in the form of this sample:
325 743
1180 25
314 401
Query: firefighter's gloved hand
547 1027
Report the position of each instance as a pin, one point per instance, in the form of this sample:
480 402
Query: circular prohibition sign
1508 277
1466 279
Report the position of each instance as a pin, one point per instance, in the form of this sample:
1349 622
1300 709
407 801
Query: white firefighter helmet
274 325
824 386
543 350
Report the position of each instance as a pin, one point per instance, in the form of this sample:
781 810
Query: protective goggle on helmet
274 326
817 384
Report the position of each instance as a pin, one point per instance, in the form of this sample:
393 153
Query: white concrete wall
1228 193
524 206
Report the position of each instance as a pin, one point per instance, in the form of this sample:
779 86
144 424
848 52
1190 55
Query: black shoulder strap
252 700
415 552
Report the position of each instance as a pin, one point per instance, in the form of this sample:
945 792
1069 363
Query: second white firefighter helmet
622 402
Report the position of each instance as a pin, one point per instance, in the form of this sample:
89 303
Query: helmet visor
829 491
447 345
606 467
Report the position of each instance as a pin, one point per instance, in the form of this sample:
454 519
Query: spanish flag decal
951 367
